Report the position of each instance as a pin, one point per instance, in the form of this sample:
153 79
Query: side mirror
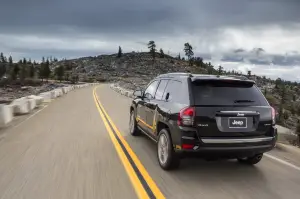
138 93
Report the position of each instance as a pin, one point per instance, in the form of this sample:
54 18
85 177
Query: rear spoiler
229 79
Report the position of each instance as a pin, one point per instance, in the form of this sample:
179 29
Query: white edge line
31 116
282 161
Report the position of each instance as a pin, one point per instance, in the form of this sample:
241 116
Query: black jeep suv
206 116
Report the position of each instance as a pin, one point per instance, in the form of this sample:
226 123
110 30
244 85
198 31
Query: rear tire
133 129
167 158
251 160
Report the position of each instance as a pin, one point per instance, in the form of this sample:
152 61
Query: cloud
271 71
219 30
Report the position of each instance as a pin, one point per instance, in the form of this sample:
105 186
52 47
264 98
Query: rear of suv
191 115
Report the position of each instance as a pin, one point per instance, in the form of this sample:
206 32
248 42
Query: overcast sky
215 28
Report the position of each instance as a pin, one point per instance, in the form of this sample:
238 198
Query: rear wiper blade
242 101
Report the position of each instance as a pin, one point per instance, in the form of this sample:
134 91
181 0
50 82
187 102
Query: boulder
6 114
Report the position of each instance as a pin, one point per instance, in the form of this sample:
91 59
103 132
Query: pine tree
44 70
220 70
24 61
31 71
23 69
40 71
161 53
2 58
249 73
10 60
278 82
298 133
59 72
152 48
15 71
2 70
120 52
283 98
199 61
188 49
2 65
265 92
47 71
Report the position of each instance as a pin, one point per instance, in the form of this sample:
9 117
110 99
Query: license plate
237 122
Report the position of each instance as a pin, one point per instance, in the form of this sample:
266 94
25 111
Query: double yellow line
143 184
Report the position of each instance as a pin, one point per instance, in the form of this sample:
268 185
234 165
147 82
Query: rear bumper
227 147
225 151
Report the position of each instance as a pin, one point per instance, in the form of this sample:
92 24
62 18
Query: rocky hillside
133 70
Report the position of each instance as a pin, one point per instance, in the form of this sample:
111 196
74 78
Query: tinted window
150 91
161 88
177 92
226 93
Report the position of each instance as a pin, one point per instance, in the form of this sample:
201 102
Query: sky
258 35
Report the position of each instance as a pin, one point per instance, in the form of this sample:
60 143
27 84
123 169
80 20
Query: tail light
273 116
186 117
187 146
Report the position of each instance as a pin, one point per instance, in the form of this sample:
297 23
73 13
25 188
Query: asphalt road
67 150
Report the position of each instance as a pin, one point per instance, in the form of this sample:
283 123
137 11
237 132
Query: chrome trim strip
228 141
144 132
238 112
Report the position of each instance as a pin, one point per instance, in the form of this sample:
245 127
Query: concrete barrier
47 96
25 104
31 104
53 94
58 92
6 114
20 106
38 99
130 94
122 91
66 89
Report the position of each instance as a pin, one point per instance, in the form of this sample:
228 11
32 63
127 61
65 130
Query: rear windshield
220 92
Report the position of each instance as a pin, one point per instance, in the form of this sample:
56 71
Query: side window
177 92
173 89
150 91
161 88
